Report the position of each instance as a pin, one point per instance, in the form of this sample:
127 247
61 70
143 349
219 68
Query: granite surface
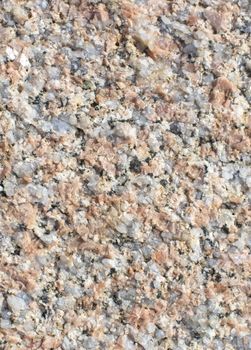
125 174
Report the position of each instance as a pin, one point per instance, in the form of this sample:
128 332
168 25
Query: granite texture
125 174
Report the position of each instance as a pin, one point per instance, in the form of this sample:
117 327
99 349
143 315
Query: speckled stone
125 174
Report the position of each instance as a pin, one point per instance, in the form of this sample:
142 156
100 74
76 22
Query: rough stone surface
125 174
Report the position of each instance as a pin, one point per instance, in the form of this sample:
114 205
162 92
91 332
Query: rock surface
125 174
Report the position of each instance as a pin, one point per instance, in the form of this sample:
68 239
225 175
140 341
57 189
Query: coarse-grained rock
125 174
